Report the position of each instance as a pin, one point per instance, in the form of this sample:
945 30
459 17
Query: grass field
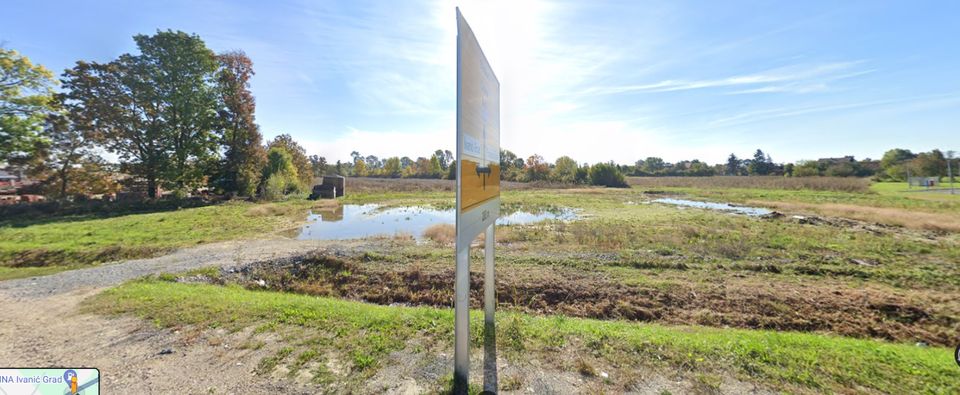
363 335
846 291
53 244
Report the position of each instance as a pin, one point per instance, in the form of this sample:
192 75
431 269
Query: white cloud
782 112
809 78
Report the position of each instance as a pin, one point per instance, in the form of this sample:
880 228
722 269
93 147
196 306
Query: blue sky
596 80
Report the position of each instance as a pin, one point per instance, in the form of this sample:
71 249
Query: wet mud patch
732 302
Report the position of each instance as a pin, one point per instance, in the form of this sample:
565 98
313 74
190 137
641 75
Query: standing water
751 211
352 221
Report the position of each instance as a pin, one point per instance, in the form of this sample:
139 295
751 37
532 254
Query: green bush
276 187
280 175
607 174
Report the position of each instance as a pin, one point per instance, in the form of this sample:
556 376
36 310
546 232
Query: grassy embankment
631 260
854 278
364 336
886 203
30 247
682 266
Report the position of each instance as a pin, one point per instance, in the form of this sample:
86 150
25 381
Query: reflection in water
352 221
329 215
751 211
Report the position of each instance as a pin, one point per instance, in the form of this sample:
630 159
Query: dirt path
40 326
217 254
46 331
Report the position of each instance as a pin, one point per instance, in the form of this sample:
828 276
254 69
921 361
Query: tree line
177 116
895 166
181 117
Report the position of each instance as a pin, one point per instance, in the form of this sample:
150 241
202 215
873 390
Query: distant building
8 181
836 161
11 181
926 182
15 188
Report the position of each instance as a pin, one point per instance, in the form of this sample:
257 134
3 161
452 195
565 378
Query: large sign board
478 136
478 198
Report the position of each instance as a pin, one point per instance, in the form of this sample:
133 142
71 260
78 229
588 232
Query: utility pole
950 170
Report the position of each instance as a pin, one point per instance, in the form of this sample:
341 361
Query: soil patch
735 302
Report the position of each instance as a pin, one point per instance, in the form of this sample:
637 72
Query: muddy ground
735 301
44 324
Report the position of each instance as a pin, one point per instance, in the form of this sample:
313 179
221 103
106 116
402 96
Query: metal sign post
478 197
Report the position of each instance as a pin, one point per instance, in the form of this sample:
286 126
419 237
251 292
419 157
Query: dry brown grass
368 185
447 234
267 210
441 233
843 184
891 216
274 209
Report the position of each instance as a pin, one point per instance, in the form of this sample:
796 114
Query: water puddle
353 221
751 211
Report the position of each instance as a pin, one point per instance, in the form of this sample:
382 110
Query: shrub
275 188
280 175
441 233
607 174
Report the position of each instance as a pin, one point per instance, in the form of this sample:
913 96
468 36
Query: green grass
69 241
902 189
368 333
884 197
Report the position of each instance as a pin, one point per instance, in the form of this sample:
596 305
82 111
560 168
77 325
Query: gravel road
218 254
41 326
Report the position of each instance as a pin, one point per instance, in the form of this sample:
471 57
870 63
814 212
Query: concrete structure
927 182
324 191
339 182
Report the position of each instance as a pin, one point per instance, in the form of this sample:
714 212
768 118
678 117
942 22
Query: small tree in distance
607 174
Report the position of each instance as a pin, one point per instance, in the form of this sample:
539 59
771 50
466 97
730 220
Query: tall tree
156 110
436 169
508 167
181 72
70 149
406 162
653 165
359 168
26 95
442 157
536 168
373 162
110 101
930 164
448 156
244 154
565 170
319 165
761 164
893 165
299 156
733 165
391 167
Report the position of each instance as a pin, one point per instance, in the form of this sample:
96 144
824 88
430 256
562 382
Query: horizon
673 80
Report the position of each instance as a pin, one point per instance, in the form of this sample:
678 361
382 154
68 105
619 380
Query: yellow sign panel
478 186
478 124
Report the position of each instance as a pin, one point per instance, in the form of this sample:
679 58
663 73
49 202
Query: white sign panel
478 137
478 198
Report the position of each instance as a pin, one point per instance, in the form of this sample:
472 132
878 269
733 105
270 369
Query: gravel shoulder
42 326
216 254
